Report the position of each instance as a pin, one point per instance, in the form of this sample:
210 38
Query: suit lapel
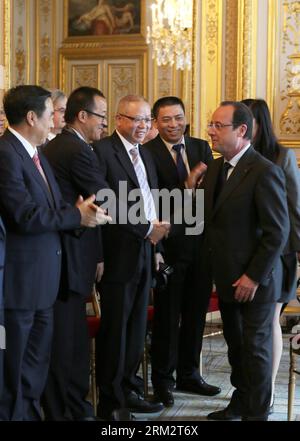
147 160
123 158
29 164
165 161
191 153
240 171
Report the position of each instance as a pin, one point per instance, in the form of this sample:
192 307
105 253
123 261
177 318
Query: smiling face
133 121
171 123
94 123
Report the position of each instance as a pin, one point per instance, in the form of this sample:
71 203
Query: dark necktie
222 179
181 168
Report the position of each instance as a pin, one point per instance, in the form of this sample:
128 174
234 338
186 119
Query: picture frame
104 21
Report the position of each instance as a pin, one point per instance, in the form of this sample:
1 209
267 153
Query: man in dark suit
246 228
177 347
33 213
126 281
2 329
77 172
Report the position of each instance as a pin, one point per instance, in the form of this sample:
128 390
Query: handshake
91 214
159 230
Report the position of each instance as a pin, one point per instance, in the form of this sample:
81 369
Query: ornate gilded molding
20 61
231 50
85 75
163 81
246 49
207 69
289 122
45 45
7 43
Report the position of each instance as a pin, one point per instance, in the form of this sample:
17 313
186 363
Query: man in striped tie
127 277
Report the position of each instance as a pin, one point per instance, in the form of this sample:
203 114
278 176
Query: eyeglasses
218 126
137 119
60 110
94 113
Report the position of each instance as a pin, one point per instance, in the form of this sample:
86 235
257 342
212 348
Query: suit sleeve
139 230
273 222
292 177
24 207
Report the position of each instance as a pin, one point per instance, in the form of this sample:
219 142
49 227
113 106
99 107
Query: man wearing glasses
77 171
246 228
128 254
180 310
59 100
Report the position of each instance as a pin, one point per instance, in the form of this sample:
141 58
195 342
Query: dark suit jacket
122 243
32 218
76 169
246 230
178 247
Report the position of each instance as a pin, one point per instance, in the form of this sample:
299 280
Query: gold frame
107 40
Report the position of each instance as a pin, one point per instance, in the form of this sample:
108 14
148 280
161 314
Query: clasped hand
159 230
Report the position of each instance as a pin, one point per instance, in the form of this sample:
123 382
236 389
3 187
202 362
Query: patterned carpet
216 371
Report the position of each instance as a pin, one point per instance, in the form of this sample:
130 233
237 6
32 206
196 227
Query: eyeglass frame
61 110
136 120
94 113
218 126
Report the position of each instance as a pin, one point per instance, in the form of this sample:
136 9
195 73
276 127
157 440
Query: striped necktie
149 206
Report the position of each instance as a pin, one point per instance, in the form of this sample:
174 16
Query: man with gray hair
126 282
59 100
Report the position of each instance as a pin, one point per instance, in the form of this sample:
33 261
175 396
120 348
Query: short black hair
166 101
81 99
241 115
20 100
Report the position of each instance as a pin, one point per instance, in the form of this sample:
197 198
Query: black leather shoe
136 404
164 395
121 414
226 414
198 386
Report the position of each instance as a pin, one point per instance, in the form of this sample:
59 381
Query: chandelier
171 33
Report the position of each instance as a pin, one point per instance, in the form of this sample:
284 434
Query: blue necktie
181 168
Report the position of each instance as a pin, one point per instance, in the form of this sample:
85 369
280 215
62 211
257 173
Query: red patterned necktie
37 163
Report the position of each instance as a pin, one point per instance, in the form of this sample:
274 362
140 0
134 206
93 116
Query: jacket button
58 252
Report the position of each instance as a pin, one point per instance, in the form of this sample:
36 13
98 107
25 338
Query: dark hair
247 101
265 141
81 99
241 115
166 101
20 100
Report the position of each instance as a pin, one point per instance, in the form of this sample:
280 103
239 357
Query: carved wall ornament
20 57
289 120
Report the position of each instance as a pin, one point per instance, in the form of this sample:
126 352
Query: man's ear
82 116
242 130
31 118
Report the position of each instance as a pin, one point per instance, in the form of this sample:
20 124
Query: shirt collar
128 146
170 146
26 144
233 161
